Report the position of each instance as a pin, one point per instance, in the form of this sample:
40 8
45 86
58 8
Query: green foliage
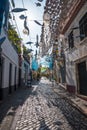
14 38
39 70
25 53
24 50
43 69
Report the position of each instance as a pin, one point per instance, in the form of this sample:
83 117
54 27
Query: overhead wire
28 20
23 4
15 22
33 3
36 20
26 15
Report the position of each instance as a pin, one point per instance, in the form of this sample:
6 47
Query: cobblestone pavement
40 108
46 110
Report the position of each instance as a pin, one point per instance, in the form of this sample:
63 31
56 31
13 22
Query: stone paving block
46 110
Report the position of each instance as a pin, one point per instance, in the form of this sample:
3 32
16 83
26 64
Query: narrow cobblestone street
43 64
42 109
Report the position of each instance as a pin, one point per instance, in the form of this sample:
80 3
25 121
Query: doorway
82 73
15 78
1 77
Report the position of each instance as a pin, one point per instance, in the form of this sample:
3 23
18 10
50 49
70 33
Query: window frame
71 39
83 26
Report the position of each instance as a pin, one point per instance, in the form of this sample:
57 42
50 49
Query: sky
33 13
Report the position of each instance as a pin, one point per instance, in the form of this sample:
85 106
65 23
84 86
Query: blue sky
33 13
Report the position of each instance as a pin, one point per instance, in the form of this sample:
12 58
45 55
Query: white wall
10 56
74 53
70 71
23 69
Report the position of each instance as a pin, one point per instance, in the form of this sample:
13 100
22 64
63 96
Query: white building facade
25 72
76 51
9 68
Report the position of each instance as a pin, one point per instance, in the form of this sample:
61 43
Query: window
71 40
83 27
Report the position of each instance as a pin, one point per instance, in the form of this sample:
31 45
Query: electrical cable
26 15
15 22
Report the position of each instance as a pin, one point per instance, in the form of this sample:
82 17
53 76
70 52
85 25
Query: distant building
69 19
25 71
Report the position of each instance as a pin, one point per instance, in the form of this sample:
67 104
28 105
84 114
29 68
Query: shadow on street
9 106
